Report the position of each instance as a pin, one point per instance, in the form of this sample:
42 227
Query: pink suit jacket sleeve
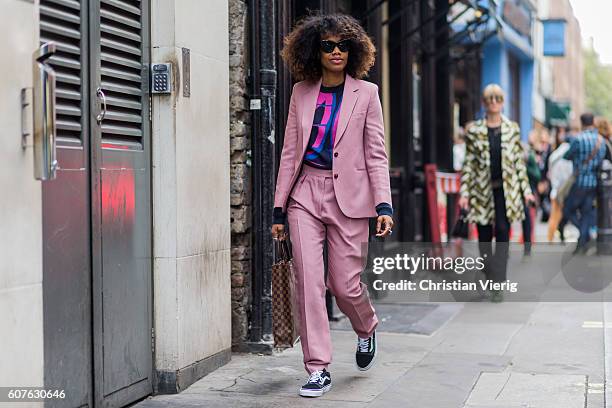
285 171
374 149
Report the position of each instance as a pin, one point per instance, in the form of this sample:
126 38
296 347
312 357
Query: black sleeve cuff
278 216
384 209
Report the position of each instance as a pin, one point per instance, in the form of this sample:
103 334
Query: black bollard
604 210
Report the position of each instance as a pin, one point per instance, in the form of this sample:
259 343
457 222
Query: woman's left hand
384 223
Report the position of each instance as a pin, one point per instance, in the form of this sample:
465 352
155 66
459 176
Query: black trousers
527 224
495 262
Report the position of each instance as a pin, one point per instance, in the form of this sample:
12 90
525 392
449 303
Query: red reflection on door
114 146
118 194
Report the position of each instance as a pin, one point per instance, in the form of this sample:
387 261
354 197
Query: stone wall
240 174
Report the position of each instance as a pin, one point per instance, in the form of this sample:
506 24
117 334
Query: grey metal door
97 213
121 200
66 212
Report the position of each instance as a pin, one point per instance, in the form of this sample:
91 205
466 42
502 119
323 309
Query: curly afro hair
301 51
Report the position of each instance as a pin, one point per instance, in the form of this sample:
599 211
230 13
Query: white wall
191 208
21 319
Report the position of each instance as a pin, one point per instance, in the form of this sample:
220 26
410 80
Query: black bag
461 228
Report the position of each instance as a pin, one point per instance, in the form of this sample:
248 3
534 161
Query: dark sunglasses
496 98
328 46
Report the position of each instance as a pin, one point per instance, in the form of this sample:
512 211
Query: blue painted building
508 58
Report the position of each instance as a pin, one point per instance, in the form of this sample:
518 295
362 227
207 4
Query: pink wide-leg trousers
313 216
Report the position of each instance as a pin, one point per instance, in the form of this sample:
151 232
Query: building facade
115 279
508 59
558 90
568 71
542 91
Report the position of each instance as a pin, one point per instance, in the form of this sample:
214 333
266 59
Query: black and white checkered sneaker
318 384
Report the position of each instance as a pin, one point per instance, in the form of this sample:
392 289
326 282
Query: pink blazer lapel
309 103
349 99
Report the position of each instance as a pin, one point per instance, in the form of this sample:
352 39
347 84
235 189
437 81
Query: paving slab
489 339
555 341
486 312
440 380
523 390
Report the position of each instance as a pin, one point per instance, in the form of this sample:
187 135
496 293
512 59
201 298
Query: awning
471 21
558 113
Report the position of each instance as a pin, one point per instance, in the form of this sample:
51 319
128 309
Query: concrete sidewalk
506 355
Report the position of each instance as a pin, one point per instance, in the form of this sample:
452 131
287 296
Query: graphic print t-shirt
324 125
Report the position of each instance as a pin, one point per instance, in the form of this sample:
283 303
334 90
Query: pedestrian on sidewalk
534 175
333 176
605 130
494 183
559 170
586 151
543 187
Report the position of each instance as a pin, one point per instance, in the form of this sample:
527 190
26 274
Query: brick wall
240 174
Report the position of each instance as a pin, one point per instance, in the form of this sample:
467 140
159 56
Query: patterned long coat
476 173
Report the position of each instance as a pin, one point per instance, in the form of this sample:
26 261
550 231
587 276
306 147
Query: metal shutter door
60 22
66 211
121 69
121 202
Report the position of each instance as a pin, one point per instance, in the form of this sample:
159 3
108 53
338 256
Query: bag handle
282 248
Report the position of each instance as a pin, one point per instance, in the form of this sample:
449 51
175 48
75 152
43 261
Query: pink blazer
360 166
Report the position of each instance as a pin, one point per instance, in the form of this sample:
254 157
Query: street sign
554 38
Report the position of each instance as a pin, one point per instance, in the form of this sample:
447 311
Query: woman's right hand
278 231
464 203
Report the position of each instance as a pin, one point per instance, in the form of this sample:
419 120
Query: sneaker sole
366 368
315 393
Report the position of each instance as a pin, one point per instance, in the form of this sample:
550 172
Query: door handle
43 112
100 116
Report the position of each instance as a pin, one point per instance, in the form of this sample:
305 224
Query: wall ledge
173 382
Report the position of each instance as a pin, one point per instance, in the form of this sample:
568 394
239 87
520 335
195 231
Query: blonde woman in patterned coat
494 183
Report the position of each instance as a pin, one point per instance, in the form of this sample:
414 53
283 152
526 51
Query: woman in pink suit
333 176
